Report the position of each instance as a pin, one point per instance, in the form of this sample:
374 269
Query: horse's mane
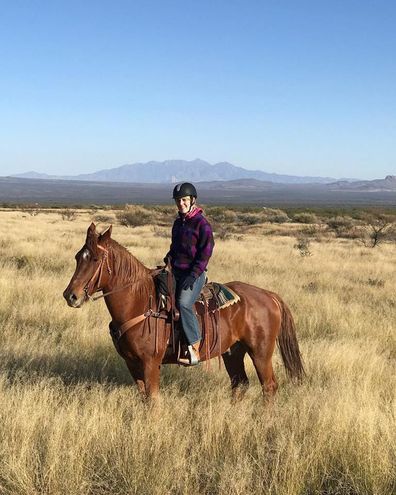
129 269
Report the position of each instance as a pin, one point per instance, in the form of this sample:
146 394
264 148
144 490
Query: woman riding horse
253 326
189 254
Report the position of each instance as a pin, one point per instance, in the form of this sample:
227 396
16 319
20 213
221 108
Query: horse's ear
105 236
91 230
92 238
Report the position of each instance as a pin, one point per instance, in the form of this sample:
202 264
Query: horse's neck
135 282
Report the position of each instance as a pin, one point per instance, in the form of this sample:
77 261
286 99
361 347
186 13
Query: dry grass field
72 423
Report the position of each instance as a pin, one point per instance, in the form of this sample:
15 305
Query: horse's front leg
152 368
136 370
146 374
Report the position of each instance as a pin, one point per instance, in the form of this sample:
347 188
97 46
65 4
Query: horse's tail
288 344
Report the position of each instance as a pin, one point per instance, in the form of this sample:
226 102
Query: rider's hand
188 282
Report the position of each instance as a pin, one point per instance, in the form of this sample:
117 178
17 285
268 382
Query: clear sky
296 87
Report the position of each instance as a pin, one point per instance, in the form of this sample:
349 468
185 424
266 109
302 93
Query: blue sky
296 87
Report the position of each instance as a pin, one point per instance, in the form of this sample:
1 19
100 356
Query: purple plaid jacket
192 243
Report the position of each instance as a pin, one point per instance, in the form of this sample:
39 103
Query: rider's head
185 196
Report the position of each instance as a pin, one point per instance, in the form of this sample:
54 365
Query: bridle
89 287
97 274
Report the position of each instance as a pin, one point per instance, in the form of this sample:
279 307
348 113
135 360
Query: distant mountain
34 175
387 184
171 171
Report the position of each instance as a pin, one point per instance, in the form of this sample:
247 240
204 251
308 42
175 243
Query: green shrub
250 218
280 217
221 215
338 223
305 217
134 216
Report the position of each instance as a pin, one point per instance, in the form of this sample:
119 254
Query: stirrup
192 361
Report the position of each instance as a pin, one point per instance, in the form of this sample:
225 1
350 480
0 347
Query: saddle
213 297
217 296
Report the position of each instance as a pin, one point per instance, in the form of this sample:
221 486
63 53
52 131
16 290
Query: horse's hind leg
263 364
233 360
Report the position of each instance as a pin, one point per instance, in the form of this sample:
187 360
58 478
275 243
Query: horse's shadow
102 366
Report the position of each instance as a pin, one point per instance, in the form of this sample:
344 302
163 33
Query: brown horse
251 326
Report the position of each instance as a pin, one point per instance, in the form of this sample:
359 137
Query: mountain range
172 171
387 184
220 176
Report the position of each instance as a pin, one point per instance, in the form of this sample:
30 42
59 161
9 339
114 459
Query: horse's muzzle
72 300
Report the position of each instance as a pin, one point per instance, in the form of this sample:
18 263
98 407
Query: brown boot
193 359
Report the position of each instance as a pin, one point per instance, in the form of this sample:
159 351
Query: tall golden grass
72 423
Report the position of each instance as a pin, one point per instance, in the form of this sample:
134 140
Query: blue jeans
185 300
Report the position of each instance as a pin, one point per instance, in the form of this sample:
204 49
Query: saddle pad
221 294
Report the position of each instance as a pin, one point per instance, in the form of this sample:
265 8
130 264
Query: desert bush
134 216
31 210
68 214
311 231
162 215
305 217
102 218
303 246
391 233
165 210
344 226
250 218
377 228
340 223
274 215
222 215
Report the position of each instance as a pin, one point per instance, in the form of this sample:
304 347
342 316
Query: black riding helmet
184 189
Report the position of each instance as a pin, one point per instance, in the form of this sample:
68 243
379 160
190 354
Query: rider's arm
205 247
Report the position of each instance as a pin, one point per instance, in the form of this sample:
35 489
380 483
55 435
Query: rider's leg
185 302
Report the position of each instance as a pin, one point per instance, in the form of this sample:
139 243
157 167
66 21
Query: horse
253 325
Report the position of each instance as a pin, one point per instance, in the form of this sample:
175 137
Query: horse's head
92 270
